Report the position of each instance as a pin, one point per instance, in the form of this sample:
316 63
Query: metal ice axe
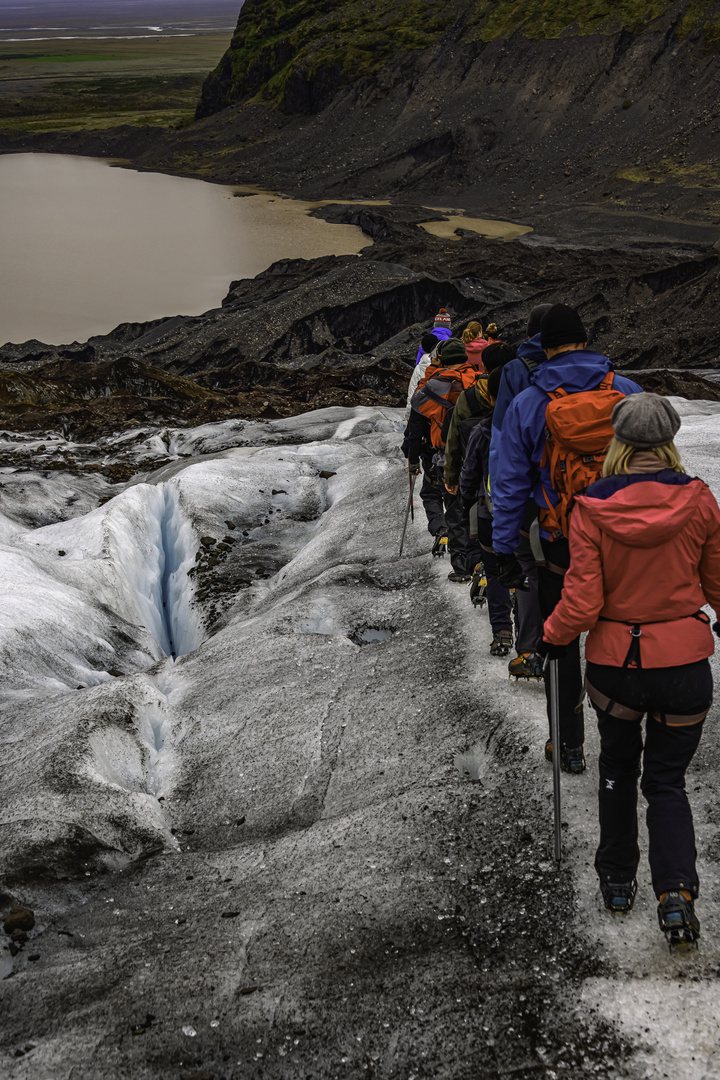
409 513
551 668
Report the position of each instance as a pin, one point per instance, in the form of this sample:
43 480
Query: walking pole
408 512
555 738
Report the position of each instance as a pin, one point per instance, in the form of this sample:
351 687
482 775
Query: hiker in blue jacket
574 368
515 378
516 375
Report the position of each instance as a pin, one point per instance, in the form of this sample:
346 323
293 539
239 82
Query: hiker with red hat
644 560
442 330
574 389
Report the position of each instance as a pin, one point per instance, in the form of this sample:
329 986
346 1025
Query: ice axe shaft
555 739
408 512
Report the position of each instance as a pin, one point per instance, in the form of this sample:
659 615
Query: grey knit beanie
645 421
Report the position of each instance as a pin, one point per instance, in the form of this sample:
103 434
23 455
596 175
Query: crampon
527 666
618 897
478 586
678 921
440 546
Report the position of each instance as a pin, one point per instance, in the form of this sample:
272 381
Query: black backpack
477 413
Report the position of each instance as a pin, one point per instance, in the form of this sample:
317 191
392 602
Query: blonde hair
491 330
619 456
471 331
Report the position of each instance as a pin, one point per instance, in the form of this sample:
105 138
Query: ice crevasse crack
168 601
165 592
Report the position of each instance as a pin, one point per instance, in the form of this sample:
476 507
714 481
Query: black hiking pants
498 597
457 533
431 495
684 691
529 619
570 681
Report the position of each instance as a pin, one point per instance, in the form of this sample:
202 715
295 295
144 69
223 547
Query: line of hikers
557 489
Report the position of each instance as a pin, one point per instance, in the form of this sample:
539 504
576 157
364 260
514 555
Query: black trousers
431 494
570 681
529 619
457 533
667 752
498 597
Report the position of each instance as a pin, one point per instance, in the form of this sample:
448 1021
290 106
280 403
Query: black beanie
535 319
561 325
496 355
452 352
428 342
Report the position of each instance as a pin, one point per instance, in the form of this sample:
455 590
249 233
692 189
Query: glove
510 573
552 652
414 467
716 628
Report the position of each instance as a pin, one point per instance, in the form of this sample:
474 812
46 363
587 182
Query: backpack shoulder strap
472 402
607 382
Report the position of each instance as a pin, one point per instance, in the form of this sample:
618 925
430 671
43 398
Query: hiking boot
572 758
478 586
461 579
440 545
501 643
527 665
619 896
677 918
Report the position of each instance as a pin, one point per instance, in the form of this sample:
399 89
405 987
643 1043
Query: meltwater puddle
370 636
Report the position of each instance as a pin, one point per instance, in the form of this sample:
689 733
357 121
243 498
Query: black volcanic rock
298 308
344 330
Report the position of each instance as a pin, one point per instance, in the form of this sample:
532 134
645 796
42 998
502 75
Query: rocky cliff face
496 102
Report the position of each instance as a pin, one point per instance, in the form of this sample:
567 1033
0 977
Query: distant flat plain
72 67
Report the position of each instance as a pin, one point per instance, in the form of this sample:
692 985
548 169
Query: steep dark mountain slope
513 107
490 102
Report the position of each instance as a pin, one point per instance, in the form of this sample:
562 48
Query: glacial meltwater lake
85 245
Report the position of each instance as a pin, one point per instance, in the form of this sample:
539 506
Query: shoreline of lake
88 247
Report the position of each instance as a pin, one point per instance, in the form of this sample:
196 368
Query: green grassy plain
141 82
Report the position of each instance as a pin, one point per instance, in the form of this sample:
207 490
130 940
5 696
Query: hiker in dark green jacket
471 406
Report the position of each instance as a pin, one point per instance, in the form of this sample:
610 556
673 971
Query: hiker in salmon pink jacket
644 560
476 342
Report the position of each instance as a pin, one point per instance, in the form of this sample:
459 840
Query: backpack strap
472 402
437 398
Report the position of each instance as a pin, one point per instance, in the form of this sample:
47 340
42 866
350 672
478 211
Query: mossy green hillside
548 19
274 39
278 39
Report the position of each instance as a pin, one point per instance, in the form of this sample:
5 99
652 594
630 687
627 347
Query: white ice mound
112 592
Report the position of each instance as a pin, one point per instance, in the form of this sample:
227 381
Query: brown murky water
85 246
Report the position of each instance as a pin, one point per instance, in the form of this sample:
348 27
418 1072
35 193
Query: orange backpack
437 394
577 433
